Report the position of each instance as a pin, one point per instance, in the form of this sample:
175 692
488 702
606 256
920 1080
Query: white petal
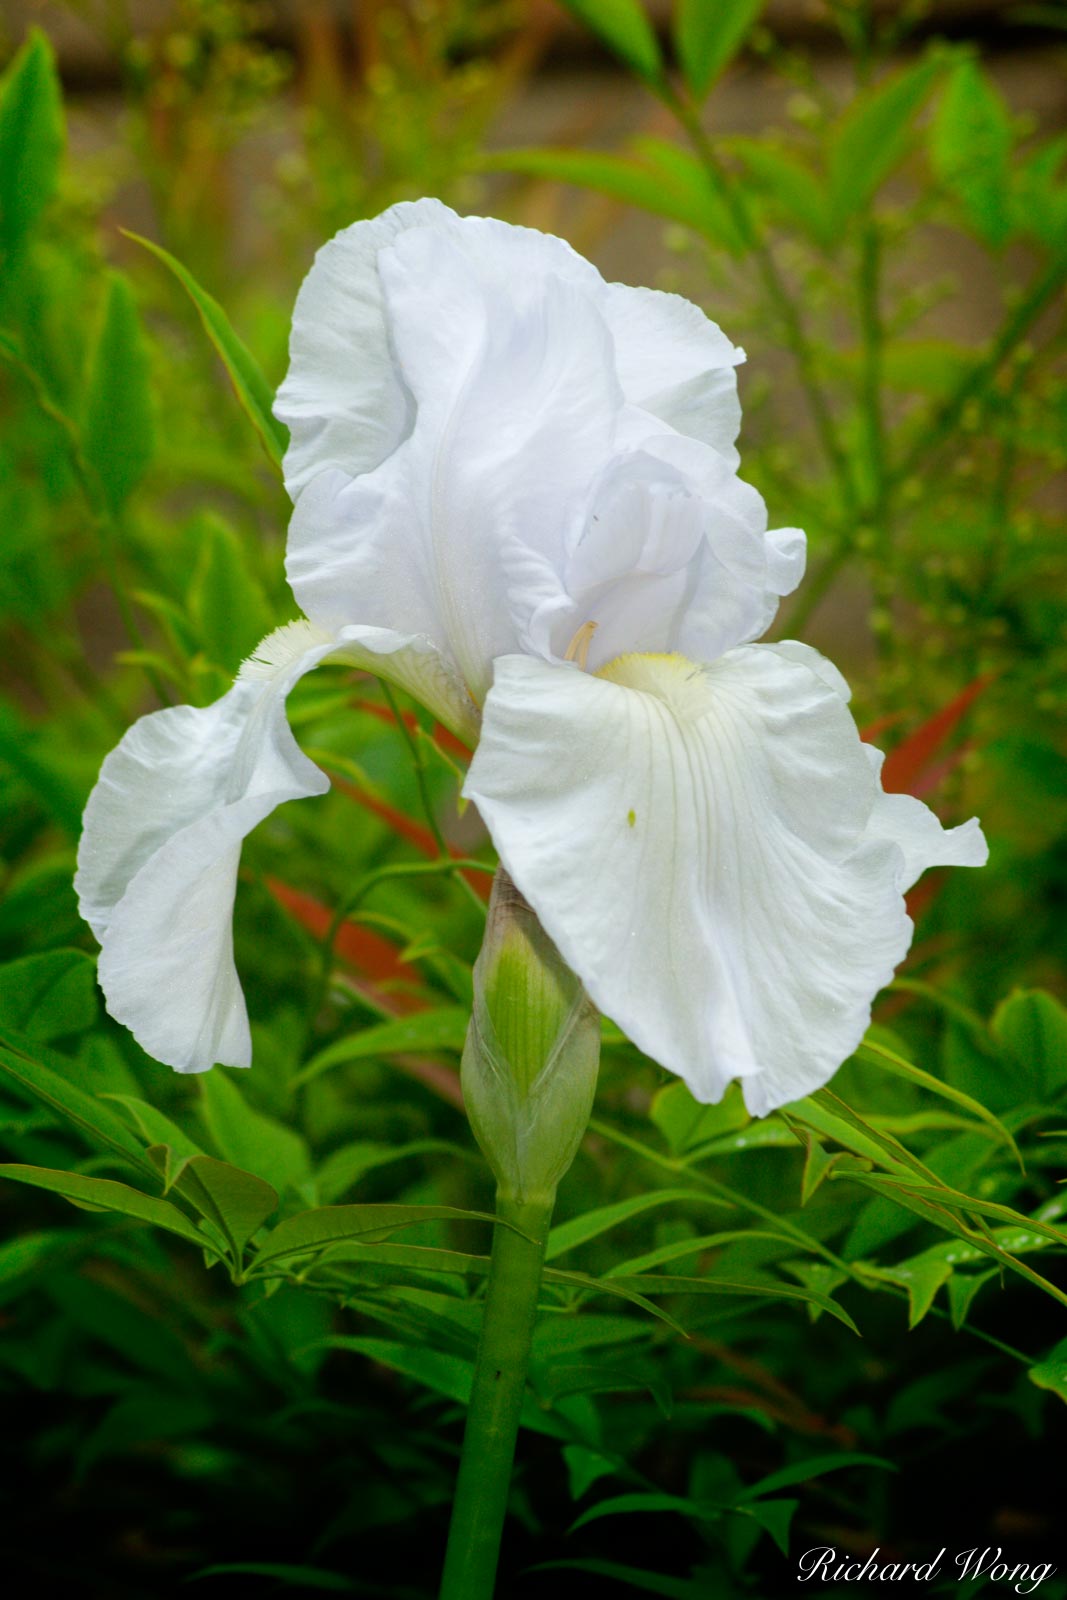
342 399
158 858
677 364
516 399
706 846
922 841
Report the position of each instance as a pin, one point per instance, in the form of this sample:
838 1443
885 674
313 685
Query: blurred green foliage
245 1353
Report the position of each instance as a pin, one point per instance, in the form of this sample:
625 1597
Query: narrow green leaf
891 1061
104 1194
446 1374
31 138
228 609
922 1277
49 995
444 1028
687 1247
237 1202
611 1286
681 192
788 186
872 137
26 751
45 1075
342 1168
775 1517
604 1378
252 388
1052 1372
685 1123
315 1230
970 146
962 1289
736 1284
118 434
828 1114
254 1142
627 1504
1031 1025
170 1144
579 1230
624 27
389 1260
944 1219
707 36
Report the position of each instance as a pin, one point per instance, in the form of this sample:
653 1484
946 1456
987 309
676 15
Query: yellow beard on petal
668 677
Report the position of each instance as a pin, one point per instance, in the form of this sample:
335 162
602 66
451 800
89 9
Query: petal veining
707 846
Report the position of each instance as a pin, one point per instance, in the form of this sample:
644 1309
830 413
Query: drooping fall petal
710 850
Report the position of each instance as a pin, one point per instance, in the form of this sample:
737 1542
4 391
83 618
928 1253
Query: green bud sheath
529 1074
533 1047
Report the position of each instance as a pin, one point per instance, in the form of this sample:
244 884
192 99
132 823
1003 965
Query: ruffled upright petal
709 848
675 363
342 399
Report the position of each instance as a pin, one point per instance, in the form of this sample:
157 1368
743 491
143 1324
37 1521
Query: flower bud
533 1046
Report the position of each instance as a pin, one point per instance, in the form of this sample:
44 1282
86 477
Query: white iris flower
516 497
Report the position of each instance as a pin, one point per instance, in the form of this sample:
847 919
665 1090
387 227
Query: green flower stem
496 1398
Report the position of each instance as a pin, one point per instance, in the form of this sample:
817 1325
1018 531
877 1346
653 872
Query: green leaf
250 1140
962 1289
788 186
579 1230
1031 1026
26 752
624 27
922 1277
937 1212
31 139
584 1468
316 1230
118 434
970 146
738 1282
707 36
342 1168
391 1263
444 1028
676 186
685 1123
170 1143
775 1517
626 1504
813 1467
251 387
892 1061
604 1378
49 995
237 1202
688 1245
143 1418
103 1194
872 137
45 1075
228 608
446 1374
1052 1372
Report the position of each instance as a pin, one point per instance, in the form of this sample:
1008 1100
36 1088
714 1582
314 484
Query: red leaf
905 767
